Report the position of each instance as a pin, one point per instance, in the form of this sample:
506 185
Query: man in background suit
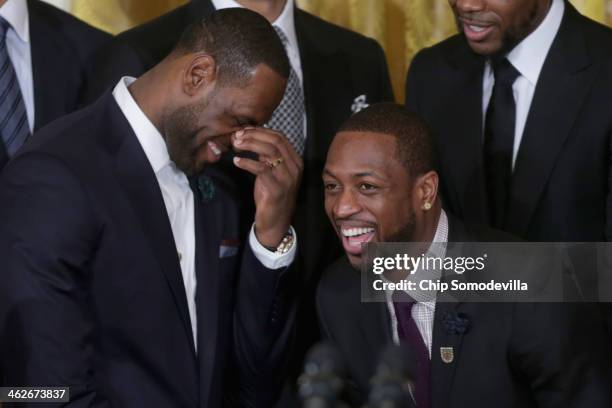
517 106
125 276
47 58
381 186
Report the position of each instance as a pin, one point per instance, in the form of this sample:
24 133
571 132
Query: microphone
322 380
392 386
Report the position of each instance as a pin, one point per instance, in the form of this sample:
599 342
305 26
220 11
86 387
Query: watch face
285 244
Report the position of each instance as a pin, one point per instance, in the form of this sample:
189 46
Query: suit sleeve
564 354
112 62
384 80
608 226
412 81
47 237
263 330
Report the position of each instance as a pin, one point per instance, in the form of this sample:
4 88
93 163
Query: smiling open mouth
354 238
476 31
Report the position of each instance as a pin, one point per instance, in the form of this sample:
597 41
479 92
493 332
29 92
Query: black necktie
499 140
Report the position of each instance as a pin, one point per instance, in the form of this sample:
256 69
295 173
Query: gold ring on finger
273 163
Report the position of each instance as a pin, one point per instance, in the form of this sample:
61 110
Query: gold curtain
401 26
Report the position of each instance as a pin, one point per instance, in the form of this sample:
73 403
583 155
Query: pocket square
228 247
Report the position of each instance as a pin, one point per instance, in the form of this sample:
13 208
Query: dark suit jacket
62 51
92 295
338 66
561 182
62 48
513 354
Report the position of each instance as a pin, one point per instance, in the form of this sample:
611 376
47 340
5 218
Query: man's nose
347 204
467 6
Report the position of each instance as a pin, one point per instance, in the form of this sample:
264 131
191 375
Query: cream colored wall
63 4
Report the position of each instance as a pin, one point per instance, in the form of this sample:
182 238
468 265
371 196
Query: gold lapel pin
447 354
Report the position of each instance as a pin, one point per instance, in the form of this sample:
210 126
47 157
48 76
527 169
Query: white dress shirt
423 312
286 22
15 12
528 58
179 200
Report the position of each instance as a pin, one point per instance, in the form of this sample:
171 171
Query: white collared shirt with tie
15 12
423 312
179 200
527 58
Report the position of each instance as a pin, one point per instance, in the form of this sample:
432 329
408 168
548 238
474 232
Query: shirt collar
529 55
285 20
15 12
436 249
150 139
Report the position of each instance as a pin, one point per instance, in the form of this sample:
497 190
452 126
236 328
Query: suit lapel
565 81
463 145
443 373
375 324
51 68
323 68
140 185
208 236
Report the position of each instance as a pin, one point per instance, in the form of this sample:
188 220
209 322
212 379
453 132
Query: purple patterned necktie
13 117
410 336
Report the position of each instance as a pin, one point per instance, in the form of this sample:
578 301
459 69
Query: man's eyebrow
327 172
367 174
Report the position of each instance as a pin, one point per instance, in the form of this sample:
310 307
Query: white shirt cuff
269 259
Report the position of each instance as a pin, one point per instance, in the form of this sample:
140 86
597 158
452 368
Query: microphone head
393 384
322 378
324 357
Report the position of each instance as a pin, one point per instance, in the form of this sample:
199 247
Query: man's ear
425 190
201 72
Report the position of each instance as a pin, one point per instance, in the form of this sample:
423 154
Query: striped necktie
288 117
13 116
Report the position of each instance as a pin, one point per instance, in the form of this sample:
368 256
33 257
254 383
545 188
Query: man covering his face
126 275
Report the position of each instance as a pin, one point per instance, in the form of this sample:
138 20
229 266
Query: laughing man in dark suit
124 273
338 71
381 186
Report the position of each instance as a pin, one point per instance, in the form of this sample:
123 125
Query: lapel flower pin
456 322
206 188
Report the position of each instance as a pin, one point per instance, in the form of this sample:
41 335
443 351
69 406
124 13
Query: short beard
180 133
514 35
406 232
